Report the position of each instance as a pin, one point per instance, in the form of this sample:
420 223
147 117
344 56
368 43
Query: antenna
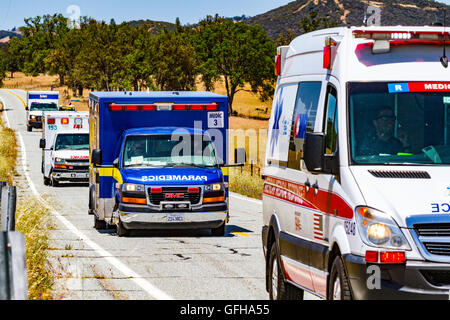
444 59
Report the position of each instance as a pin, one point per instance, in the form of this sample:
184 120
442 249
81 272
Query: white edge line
238 196
135 277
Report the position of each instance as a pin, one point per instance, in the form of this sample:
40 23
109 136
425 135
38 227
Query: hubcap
337 289
275 279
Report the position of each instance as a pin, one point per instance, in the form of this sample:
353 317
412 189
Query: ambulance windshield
400 123
36 106
164 151
72 142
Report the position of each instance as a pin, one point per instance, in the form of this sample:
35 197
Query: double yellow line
23 102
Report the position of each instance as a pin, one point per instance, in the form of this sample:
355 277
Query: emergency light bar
164 107
413 36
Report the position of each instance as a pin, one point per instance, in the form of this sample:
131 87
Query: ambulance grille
438 248
400 174
157 198
433 229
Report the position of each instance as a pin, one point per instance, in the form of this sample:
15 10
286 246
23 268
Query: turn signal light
134 200
214 199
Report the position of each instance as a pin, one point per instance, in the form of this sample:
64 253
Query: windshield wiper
190 165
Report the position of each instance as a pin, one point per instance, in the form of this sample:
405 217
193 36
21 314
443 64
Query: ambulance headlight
214 187
59 160
377 229
131 187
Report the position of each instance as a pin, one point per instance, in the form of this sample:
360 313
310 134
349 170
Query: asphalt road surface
182 265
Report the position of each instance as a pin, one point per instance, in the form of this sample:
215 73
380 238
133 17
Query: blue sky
13 12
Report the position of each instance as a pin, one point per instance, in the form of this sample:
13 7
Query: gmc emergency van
356 200
158 160
37 103
65 147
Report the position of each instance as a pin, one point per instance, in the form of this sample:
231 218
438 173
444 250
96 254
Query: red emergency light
328 53
278 65
404 36
396 257
165 107
51 121
156 190
65 121
193 190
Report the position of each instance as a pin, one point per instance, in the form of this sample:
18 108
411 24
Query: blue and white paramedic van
158 160
356 198
37 103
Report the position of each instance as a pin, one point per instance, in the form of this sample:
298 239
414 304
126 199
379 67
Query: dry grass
246 104
31 221
242 181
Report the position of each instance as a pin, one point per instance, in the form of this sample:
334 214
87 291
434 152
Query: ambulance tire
121 230
338 286
53 182
99 224
285 291
46 181
29 128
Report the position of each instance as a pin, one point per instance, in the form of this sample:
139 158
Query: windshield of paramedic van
72 142
400 123
164 151
36 106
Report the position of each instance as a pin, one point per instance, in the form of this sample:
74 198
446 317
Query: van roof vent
400 174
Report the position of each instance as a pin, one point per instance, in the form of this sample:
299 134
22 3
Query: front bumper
35 124
71 176
417 280
142 217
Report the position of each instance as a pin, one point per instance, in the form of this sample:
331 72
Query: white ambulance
65 147
356 198
39 102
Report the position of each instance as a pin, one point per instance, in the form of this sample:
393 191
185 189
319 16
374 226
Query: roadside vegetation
31 221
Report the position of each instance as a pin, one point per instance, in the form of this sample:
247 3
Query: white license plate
175 217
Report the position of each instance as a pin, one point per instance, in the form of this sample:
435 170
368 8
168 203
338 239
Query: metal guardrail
13 272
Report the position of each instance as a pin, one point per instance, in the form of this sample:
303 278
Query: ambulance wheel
99 224
53 182
338 286
278 288
29 129
121 230
46 181
220 231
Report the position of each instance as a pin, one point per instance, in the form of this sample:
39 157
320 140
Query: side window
304 119
331 122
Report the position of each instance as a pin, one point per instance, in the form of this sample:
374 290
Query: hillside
349 13
154 26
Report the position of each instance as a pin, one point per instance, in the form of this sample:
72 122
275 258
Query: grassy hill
349 13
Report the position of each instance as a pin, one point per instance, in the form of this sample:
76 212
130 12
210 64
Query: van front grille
157 198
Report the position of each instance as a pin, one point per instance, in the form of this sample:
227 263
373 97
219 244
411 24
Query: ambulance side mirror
313 151
42 143
314 155
96 158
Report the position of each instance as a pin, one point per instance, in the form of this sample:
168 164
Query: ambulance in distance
356 201
37 103
65 147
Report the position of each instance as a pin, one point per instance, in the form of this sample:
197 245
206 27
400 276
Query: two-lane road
95 264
